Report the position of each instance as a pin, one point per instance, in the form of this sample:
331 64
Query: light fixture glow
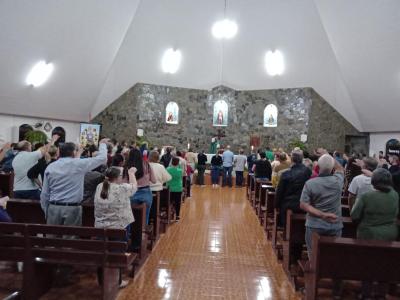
224 29
274 63
171 61
39 73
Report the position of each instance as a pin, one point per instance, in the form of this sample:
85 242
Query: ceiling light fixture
274 63
39 73
224 29
171 61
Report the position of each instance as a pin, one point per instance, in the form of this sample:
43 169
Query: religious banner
89 134
172 113
220 114
270 116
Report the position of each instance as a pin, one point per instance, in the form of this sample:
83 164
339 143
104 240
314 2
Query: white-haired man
321 199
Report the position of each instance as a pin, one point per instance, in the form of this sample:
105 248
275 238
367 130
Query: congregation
114 176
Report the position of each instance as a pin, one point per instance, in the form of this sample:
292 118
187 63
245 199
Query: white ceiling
348 51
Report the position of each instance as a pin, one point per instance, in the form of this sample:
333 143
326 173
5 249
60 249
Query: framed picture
89 134
172 113
220 113
270 116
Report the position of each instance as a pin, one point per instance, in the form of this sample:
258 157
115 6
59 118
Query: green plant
296 143
36 136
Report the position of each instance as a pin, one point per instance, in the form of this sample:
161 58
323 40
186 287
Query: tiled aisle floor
217 251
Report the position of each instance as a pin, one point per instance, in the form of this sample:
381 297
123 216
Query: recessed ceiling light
171 61
224 29
274 63
39 73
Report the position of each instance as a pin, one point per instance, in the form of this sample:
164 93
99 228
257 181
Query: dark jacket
250 161
39 168
216 161
289 189
166 159
91 181
263 169
201 159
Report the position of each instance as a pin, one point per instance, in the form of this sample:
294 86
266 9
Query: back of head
370 163
175 161
154 156
67 150
117 160
179 153
53 151
326 164
282 156
135 159
382 180
241 151
262 155
111 174
297 156
24 146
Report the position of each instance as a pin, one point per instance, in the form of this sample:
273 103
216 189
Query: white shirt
161 176
21 165
360 185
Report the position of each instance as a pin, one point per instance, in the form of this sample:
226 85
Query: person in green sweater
175 185
376 214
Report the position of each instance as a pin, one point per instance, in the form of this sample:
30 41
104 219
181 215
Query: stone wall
327 127
300 111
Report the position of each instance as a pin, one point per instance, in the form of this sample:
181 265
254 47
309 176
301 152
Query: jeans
215 175
27 194
321 231
227 176
143 195
239 178
188 186
200 175
4 217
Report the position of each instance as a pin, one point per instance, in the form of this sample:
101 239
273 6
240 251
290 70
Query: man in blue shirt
62 190
227 164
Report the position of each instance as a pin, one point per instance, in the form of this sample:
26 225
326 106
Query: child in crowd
175 185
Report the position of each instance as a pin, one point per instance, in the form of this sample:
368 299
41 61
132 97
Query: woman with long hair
144 176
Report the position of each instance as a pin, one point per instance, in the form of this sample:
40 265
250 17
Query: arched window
172 113
270 116
220 113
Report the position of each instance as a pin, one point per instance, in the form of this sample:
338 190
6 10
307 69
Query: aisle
217 251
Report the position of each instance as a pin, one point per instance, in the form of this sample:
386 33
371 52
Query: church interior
214 149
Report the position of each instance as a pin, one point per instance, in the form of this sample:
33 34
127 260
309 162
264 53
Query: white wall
377 141
9 127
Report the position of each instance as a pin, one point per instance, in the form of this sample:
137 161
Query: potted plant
36 136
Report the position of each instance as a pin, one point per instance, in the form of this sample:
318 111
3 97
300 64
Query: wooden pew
251 187
7 184
257 193
166 209
155 216
361 260
43 247
295 237
30 211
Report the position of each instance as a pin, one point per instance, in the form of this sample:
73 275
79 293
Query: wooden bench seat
359 260
30 211
42 248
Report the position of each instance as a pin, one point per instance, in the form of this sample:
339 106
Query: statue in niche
270 116
172 113
220 113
